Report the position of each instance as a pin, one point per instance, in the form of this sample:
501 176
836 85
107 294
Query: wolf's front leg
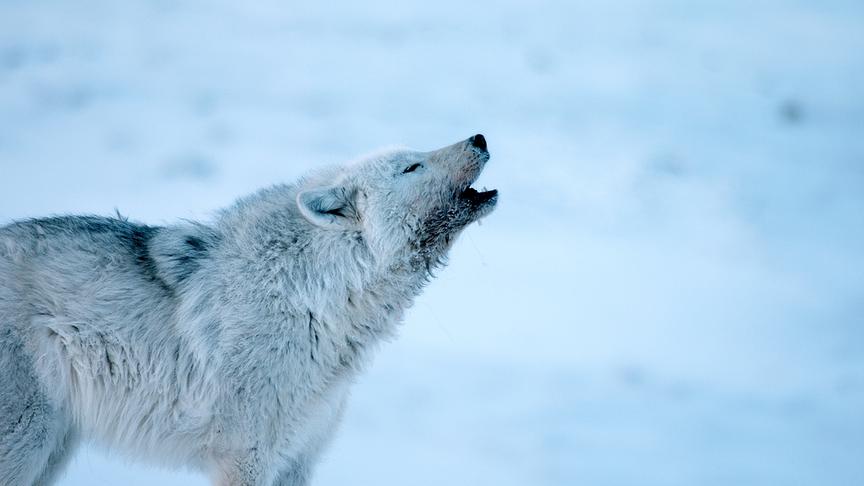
246 468
295 473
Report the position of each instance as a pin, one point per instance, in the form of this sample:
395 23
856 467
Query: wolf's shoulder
170 253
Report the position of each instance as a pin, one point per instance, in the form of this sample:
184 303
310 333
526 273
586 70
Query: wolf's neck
339 295
368 309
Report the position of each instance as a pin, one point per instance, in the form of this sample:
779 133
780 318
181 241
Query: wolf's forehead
398 156
385 160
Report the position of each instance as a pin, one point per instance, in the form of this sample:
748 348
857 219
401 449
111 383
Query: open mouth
480 203
478 198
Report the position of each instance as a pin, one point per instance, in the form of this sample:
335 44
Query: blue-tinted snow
671 291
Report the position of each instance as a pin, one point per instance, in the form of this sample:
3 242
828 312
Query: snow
669 293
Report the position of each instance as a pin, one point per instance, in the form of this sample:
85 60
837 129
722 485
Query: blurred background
671 291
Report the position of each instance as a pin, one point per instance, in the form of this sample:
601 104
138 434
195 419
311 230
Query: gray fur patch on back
177 252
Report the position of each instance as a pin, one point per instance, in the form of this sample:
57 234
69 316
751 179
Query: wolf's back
75 265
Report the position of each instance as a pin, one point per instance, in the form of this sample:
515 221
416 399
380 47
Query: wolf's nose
478 141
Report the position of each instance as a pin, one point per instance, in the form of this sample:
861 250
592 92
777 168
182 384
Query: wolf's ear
328 207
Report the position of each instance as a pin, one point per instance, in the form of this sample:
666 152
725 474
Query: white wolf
225 347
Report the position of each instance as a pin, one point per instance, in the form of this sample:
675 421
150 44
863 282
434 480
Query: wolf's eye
411 168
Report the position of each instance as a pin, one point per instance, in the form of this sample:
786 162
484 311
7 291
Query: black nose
478 141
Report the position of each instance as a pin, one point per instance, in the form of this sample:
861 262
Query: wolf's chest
318 418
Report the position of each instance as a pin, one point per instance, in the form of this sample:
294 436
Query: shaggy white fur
226 347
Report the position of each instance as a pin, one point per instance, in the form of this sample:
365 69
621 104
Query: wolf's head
408 206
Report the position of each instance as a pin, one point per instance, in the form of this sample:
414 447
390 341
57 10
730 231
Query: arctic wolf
226 347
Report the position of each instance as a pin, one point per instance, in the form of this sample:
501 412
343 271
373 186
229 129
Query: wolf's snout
478 141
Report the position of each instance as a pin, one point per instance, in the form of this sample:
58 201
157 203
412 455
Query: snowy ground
671 291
